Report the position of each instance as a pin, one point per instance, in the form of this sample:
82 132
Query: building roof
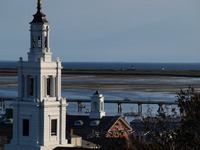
87 124
39 17
73 123
97 93
107 122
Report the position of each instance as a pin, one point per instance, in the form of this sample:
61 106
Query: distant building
107 126
97 125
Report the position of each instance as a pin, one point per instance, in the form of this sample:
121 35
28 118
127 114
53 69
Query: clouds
109 30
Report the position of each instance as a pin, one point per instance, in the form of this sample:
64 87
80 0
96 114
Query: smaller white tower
97 106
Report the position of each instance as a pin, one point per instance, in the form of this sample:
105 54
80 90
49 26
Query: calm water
111 109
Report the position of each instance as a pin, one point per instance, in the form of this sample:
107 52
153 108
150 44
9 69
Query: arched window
78 123
94 123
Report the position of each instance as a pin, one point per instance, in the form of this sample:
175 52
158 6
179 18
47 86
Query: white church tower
97 106
40 111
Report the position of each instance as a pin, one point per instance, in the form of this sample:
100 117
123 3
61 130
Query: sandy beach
129 82
149 81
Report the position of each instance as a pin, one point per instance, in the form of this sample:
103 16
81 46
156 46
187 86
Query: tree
188 134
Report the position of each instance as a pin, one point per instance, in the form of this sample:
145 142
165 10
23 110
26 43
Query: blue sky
106 30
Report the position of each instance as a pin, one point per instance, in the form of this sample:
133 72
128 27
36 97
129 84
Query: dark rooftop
39 17
97 93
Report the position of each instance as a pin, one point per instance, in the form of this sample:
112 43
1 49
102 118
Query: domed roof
39 17
97 93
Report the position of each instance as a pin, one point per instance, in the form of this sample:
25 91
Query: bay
8 86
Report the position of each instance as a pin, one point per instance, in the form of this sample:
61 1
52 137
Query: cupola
97 106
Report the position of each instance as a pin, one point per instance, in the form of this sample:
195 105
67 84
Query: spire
39 17
39 5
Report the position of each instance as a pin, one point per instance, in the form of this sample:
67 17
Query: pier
120 102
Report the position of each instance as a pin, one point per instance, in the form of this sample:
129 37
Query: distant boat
133 67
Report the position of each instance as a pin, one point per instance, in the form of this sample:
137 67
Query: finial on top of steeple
39 5
39 17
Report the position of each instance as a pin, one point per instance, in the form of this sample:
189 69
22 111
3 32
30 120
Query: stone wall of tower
40 108
39 72
40 115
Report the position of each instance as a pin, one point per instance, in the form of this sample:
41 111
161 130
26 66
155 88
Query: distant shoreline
116 65
173 73
178 73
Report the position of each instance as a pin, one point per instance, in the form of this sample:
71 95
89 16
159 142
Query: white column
48 49
62 121
56 87
45 86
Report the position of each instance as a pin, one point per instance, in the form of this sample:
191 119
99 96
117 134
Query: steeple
39 37
39 17
39 111
39 5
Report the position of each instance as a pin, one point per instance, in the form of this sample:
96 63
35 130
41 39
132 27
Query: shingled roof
103 125
107 122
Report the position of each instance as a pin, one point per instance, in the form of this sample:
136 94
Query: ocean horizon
117 65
